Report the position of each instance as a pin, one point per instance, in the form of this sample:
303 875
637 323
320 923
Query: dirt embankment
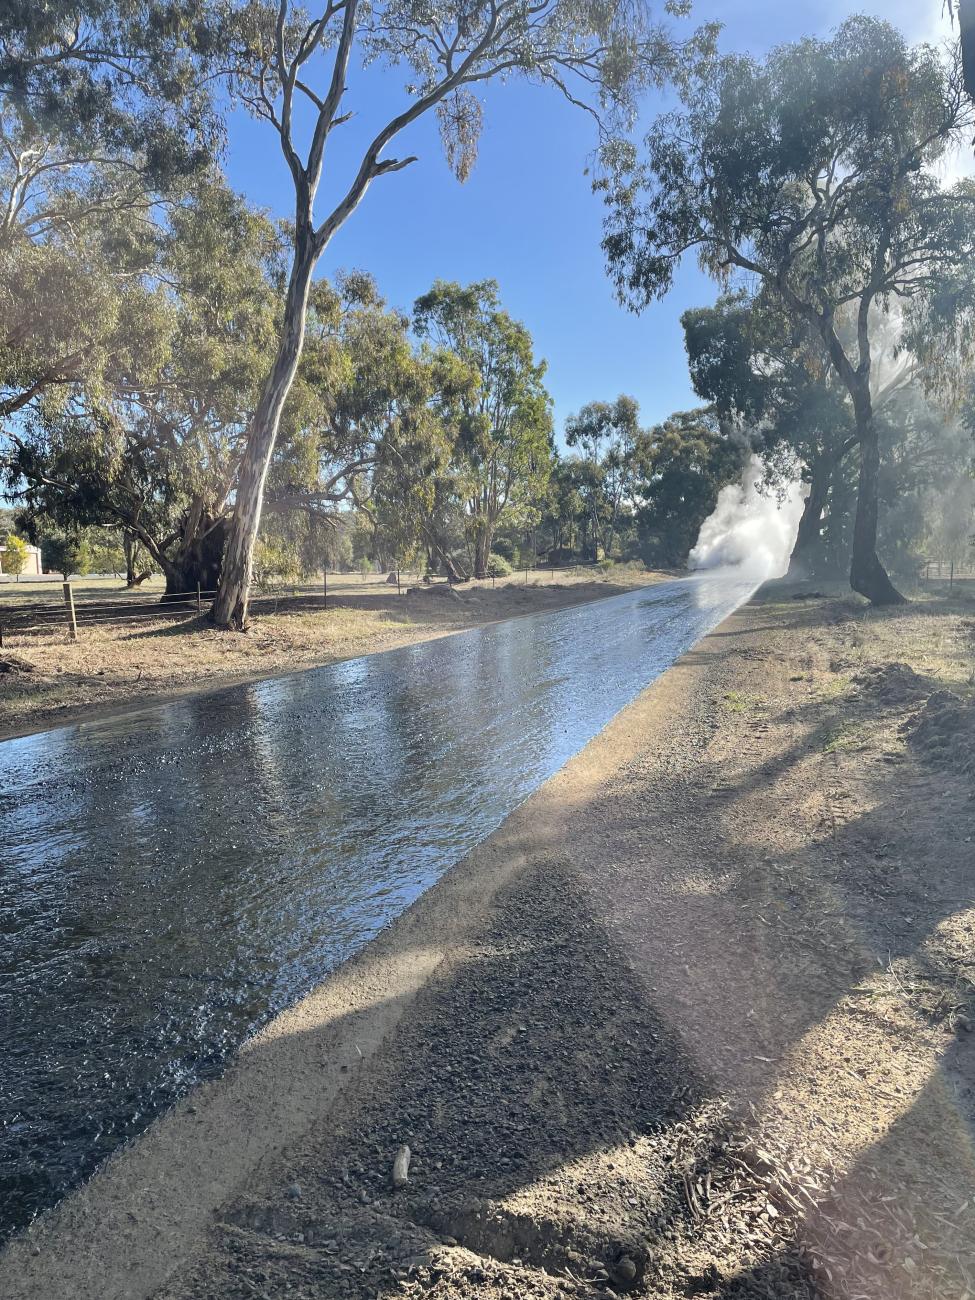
695 1022
47 680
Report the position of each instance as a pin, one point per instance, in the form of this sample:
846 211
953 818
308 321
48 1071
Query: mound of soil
15 664
892 684
944 732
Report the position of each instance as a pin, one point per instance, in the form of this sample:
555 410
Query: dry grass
934 633
56 680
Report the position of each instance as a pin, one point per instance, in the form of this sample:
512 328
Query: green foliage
505 547
15 555
66 554
565 517
498 566
607 433
812 172
113 81
104 109
107 556
926 484
288 67
276 563
148 438
502 426
682 466
770 380
827 142
73 307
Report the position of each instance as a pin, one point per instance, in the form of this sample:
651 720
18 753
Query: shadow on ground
708 1043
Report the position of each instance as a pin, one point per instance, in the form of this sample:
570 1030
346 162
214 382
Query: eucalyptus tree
771 383
607 434
370 423
503 446
564 509
155 446
150 440
927 481
812 172
104 115
75 241
682 465
419 485
119 85
294 69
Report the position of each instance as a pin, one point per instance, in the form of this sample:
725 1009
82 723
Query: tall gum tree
770 378
370 420
105 120
607 433
771 382
293 69
503 444
145 437
811 171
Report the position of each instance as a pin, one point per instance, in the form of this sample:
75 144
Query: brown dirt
118 666
695 1022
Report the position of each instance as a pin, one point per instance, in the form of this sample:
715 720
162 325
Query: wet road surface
169 879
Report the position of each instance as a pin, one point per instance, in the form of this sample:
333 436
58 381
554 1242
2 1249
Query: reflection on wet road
171 878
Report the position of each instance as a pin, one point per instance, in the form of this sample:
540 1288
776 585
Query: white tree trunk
230 606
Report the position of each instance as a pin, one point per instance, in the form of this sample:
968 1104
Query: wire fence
946 570
72 613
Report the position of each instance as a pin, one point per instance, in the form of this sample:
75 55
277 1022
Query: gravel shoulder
695 1021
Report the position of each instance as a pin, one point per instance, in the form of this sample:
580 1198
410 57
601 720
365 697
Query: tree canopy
503 443
289 66
812 171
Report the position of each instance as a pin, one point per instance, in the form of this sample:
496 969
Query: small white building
32 568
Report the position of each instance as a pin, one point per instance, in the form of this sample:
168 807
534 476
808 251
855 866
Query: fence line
40 616
949 569
74 613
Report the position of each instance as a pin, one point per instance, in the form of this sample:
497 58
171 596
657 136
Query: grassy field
50 679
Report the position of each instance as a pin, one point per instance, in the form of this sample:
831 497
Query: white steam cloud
749 529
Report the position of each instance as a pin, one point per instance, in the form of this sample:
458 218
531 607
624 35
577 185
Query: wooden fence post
69 602
325 581
199 599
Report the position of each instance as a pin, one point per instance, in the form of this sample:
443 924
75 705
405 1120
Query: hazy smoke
749 529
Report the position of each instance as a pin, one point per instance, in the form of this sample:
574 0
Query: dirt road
695 1021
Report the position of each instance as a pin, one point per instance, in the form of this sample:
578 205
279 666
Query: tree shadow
560 1083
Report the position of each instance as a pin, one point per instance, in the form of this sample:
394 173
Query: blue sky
527 217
